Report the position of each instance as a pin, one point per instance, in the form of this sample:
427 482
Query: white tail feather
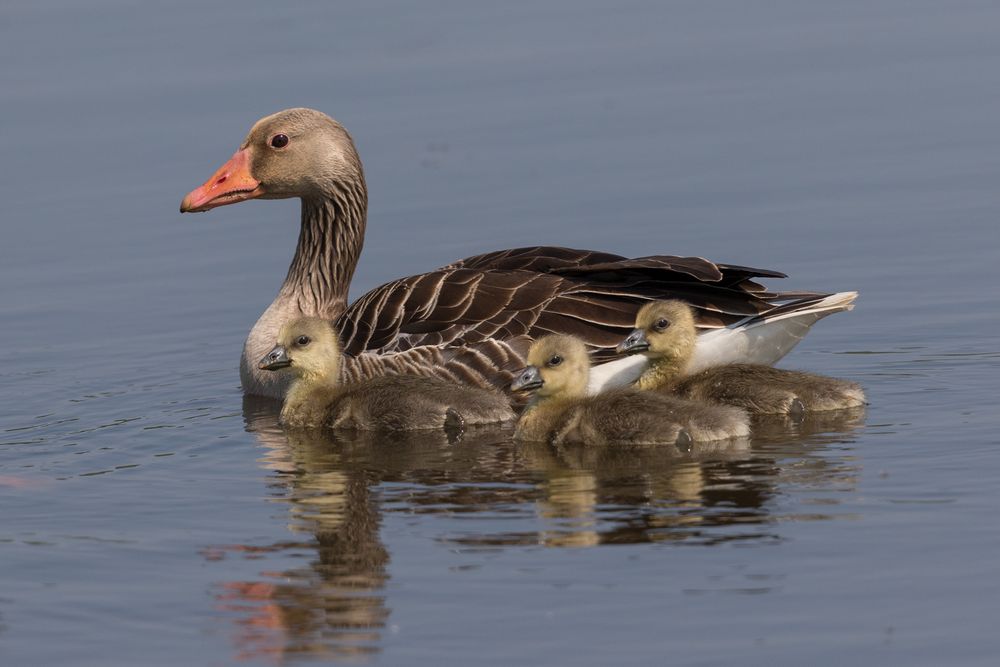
618 373
757 340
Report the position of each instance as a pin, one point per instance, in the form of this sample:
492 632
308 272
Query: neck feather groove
330 241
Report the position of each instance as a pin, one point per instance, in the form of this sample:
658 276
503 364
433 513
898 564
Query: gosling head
664 330
308 346
557 366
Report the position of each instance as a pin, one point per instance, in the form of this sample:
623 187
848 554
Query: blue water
153 516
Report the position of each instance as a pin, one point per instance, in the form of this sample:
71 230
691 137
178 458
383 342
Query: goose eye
555 360
302 341
662 324
279 140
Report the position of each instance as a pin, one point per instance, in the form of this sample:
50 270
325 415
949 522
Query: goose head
557 366
294 153
308 347
664 330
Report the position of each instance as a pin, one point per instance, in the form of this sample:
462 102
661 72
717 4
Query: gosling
560 411
665 332
310 348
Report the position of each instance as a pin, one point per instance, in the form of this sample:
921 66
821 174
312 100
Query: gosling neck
310 392
540 416
540 405
661 373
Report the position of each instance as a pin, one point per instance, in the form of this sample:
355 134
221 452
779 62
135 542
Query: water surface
154 516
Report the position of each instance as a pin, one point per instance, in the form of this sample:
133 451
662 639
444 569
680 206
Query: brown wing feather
540 259
538 290
491 362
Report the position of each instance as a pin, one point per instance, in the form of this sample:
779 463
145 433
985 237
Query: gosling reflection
715 493
627 496
338 489
335 606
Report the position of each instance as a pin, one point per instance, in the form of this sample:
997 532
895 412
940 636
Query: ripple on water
483 495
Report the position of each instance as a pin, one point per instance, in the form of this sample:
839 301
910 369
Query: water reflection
337 491
332 605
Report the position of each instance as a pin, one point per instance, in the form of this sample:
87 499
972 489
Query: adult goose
504 295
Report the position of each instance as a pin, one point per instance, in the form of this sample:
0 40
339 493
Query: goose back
488 363
542 290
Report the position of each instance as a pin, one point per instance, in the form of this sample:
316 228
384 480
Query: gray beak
275 359
526 379
636 342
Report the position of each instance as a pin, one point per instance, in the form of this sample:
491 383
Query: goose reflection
333 604
338 489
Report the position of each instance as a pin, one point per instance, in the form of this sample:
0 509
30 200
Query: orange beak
230 184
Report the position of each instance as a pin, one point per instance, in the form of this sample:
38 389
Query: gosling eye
279 141
554 360
302 341
661 324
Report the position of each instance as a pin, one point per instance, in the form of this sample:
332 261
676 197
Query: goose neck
330 241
